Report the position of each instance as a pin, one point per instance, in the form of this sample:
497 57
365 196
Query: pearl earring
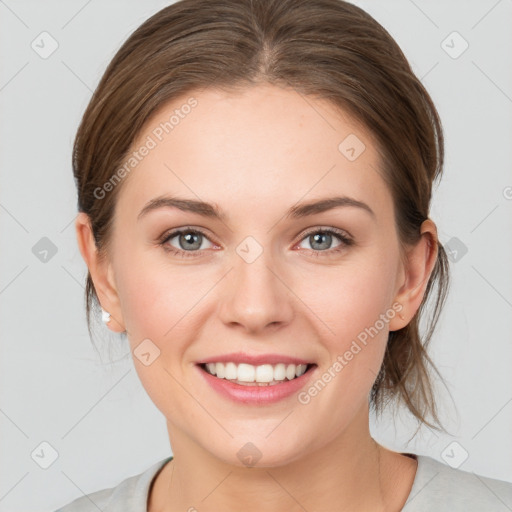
105 316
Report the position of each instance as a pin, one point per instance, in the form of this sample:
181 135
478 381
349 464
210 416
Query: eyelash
345 240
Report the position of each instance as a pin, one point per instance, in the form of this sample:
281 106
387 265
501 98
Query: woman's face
265 277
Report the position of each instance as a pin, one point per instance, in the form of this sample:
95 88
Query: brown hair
329 49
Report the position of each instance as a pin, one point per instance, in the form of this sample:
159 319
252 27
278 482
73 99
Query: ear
420 262
101 272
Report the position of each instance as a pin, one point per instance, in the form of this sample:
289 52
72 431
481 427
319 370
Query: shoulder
130 495
442 488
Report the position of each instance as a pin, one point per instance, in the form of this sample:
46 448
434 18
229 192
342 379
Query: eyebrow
212 211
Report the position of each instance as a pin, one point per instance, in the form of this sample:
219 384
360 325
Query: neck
352 471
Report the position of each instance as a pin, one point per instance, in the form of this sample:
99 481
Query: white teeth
279 371
248 373
290 371
245 372
301 369
220 370
264 373
231 371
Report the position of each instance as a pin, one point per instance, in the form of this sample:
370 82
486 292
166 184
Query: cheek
349 299
156 296
157 302
353 306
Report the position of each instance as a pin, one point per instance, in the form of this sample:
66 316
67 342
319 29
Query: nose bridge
257 297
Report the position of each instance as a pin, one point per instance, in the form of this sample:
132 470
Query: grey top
436 487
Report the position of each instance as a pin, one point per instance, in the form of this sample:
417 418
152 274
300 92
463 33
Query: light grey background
97 416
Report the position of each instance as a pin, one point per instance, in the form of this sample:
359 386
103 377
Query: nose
256 296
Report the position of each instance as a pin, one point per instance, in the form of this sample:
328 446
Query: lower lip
256 394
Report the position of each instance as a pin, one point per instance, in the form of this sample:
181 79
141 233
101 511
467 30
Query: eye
187 242
321 240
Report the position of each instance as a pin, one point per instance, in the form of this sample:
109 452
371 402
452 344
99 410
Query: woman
254 181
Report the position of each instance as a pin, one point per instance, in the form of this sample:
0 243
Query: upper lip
255 360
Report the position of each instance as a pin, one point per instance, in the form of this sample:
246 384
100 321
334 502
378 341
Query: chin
259 452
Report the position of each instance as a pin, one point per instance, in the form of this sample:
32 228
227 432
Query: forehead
262 145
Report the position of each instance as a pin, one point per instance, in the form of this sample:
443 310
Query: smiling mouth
261 375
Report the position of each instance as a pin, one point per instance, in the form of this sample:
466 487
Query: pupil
317 238
190 238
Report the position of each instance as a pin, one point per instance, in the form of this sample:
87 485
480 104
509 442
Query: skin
256 153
